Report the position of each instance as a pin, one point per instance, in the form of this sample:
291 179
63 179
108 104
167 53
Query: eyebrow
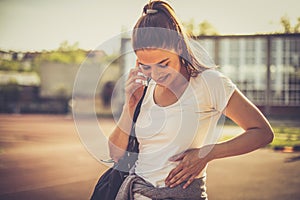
162 61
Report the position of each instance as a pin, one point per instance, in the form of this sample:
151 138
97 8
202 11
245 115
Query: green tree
14 65
297 26
66 53
288 27
203 28
66 47
286 24
190 27
9 65
207 28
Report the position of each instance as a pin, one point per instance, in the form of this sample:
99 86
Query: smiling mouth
162 79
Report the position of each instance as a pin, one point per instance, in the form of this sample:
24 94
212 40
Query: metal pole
217 51
268 88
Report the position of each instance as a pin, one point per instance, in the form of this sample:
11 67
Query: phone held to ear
143 82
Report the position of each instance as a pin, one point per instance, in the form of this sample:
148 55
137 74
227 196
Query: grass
284 137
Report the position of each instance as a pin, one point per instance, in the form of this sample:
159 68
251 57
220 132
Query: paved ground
42 157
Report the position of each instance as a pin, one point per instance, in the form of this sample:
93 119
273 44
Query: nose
154 73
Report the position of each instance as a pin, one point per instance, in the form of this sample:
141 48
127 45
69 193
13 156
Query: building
18 90
266 68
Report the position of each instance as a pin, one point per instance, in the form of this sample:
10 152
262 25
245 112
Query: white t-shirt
191 122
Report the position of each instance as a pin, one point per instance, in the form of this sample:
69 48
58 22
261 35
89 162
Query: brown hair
158 27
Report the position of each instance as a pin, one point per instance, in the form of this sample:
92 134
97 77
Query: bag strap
128 160
137 112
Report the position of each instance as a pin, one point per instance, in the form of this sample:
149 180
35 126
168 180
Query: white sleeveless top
191 122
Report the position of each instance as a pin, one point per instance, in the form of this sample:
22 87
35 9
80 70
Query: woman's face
160 65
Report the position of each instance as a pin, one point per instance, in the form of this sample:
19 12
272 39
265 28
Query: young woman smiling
176 128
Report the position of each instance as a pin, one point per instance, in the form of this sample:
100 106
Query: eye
164 66
144 67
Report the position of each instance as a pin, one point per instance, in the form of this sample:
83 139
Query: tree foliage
66 53
207 28
288 27
203 28
10 65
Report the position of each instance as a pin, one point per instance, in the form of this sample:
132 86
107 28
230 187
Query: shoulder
215 86
213 78
210 78
211 75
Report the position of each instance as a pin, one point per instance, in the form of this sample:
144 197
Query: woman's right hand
134 87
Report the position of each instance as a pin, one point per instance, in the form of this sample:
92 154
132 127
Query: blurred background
45 44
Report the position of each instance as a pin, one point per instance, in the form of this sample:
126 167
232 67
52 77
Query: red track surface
42 157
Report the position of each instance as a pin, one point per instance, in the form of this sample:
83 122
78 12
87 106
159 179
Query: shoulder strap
128 160
138 107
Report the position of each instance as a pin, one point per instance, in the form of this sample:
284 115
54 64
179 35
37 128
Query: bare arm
258 133
118 139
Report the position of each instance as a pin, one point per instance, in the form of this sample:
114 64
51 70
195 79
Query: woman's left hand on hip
191 163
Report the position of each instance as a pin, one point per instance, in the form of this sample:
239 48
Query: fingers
187 170
186 174
180 177
191 179
173 173
135 84
136 77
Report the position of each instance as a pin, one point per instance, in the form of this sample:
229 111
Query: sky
35 25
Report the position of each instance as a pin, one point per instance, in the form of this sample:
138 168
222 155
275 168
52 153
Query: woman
176 128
